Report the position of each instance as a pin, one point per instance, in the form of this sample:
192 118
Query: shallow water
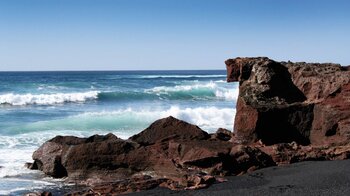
36 106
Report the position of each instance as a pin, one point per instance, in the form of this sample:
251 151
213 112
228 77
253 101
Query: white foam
210 85
16 150
46 99
219 91
208 118
13 161
231 94
14 185
129 121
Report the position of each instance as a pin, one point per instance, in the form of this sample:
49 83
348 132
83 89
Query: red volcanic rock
248 158
286 153
283 102
332 118
169 128
121 187
177 154
80 158
205 156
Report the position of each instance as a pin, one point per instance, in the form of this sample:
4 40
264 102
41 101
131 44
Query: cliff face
284 102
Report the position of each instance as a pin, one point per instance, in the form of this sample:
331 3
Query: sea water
36 106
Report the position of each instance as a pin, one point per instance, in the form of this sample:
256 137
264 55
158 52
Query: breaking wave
46 99
197 91
130 121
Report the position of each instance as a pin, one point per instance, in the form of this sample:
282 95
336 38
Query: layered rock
285 102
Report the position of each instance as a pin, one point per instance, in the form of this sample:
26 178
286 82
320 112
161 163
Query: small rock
45 193
32 166
223 134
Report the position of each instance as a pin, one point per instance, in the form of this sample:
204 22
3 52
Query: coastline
278 121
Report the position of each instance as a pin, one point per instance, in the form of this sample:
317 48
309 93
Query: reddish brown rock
248 158
287 153
80 158
169 128
283 102
121 187
181 156
223 135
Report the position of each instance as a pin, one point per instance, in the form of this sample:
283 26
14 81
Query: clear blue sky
169 34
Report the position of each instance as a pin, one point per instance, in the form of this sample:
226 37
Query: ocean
36 106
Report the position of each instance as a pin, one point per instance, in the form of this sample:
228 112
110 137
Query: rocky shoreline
286 113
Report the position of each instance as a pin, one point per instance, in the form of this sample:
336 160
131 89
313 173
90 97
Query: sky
169 34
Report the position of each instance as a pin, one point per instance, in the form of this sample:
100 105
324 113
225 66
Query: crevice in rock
332 131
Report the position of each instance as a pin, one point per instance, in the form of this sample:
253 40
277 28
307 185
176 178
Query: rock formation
286 113
284 102
177 159
177 154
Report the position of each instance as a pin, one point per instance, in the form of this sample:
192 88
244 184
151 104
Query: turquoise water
36 106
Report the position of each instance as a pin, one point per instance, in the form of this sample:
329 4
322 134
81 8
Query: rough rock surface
169 129
285 102
182 155
110 165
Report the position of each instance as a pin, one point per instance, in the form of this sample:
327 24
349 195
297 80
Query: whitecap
46 99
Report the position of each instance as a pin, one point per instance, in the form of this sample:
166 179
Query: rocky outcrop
176 154
284 102
186 158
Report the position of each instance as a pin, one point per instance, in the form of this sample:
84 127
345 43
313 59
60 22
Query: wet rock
32 166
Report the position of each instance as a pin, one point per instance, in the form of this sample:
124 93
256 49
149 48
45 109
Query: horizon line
96 70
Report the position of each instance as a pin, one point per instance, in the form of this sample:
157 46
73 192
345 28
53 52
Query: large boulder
82 158
169 128
284 101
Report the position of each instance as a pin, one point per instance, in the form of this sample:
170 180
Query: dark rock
32 166
286 153
83 157
248 158
285 102
203 155
181 156
169 128
39 194
223 135
122 187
